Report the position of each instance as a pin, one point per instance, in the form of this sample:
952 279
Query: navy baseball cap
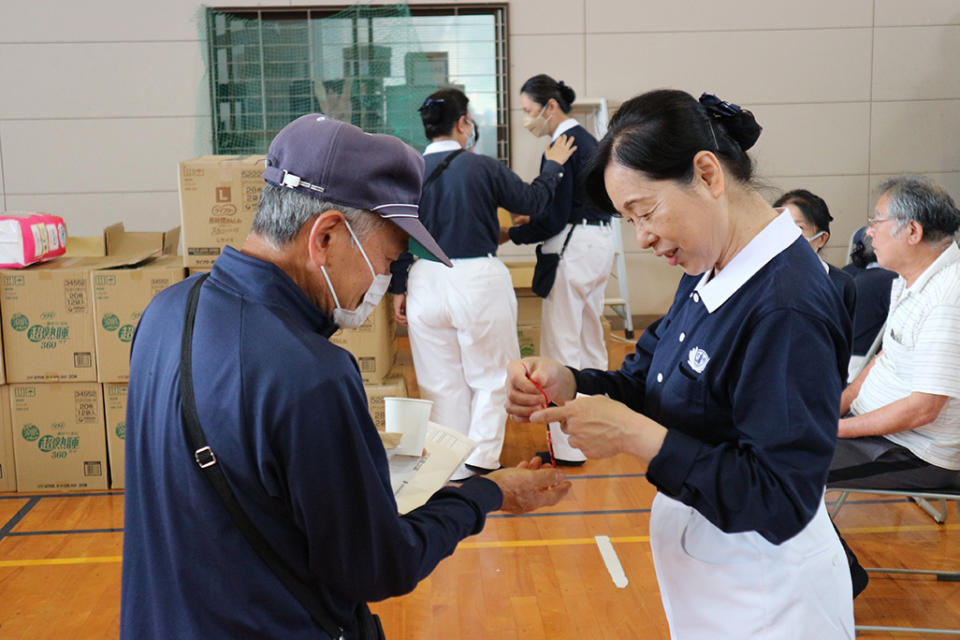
341 164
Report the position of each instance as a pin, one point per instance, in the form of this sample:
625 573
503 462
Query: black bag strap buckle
204 457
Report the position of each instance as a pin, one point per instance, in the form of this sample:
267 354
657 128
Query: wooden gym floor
534 576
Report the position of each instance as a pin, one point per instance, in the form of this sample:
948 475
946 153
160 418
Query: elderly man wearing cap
296 527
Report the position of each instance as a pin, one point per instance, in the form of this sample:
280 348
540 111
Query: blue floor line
64 532
27 496
24 510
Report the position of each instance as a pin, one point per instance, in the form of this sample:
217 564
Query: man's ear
708 173
321 235
914 232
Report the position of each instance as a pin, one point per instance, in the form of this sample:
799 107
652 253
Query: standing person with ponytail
731 398
570 327
463 321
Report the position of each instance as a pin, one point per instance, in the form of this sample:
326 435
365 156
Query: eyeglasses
873 221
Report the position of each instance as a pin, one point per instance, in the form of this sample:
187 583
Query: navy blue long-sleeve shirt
749 393
570 204
285 413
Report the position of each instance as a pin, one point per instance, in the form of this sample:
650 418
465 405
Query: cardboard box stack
8 474
55 400
218 200
115 417
373 343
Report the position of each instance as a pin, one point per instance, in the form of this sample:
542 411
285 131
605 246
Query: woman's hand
601 427
561 149
523 397
400 308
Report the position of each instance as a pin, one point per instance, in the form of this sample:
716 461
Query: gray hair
282 212
918 198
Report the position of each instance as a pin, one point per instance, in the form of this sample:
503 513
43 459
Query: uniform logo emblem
698 359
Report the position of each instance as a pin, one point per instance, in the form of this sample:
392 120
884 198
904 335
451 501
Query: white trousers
571 331
740 586
463 333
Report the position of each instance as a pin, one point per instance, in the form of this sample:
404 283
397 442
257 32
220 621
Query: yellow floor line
562 542
494 544
58 561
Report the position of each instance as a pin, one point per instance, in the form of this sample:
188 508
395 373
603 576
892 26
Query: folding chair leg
949 632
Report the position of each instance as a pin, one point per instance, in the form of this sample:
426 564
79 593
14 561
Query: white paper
414 479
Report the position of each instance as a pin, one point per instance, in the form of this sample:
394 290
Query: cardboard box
392 386
529 309
48 310
373 343
218 200
528 336
58 436
119 299
115 417
8 473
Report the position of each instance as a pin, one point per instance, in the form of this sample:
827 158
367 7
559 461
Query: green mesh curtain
370 66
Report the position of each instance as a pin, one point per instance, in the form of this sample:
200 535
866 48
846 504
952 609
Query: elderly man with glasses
901 416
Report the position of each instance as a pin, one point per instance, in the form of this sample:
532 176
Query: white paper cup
408 416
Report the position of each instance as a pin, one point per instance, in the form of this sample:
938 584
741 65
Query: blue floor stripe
24 510
25 496
64 532
604 477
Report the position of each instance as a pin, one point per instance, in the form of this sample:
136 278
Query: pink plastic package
26 238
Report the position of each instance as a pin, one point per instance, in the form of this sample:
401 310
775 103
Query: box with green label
8 473
115 412
58 438
119 299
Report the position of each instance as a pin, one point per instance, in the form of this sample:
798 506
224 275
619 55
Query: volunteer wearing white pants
463 321
731 398
570 323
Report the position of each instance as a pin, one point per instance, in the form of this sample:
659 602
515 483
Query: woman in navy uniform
811 214
463 321
570 324
731 398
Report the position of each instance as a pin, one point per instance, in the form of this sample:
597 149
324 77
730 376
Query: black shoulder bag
415 247
369 627
545 272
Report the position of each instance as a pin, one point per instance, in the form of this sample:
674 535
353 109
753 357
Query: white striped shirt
921 352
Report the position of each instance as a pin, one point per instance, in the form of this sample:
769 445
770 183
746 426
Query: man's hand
504 235
528 486
601 428
400 308
523 397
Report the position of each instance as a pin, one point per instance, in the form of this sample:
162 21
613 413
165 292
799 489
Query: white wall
101 99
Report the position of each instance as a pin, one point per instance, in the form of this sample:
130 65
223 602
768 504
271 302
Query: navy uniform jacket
843 281
569 205
285 413
750 395
459 208
873 303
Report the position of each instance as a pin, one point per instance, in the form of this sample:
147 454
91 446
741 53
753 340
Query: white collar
772 240
947 257
563 127
442 145
826 267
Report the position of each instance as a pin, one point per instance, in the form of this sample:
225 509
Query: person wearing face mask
731 398
571 330
463 321
313 532
811 214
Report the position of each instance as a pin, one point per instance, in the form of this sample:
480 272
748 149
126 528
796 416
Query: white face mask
538 126
815 236
353 318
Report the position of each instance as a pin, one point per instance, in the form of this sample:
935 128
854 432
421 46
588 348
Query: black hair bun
738 122
743 128
568 94
431 111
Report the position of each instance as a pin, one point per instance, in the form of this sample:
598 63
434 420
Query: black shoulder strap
566 240
208 464
441 168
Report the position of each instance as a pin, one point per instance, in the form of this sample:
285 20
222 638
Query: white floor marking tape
612 561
